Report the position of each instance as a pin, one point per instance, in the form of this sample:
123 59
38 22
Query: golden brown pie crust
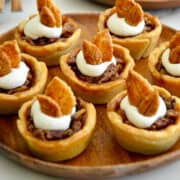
10 103
98 93
167 81
58 150
49 53
141 45
141 140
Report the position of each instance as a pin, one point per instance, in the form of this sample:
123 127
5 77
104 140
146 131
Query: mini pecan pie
164 65
131 27
21 77
145 119
57 126
47 35
98 71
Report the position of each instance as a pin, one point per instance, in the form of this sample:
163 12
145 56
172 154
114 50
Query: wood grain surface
103 158
148 4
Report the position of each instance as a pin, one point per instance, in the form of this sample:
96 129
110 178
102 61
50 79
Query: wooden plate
103 158
148 4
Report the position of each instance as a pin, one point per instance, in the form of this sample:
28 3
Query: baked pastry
56 126
131 27
47 35
21 77
164 65
98 71
145 119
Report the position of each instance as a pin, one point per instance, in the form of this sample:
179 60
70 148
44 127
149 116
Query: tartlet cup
58 150
139 140
141 45
10 103
98 93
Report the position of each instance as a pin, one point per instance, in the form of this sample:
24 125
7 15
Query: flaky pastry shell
141 140
49 53
10 103
58 150
141 45
98 93
171 83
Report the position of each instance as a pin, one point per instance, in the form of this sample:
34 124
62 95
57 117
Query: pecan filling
27 85
112 72
77 123
149 26
161 123
68 29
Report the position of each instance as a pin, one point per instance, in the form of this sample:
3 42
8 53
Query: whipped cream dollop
173 69
34 29
16 78
46 122
120 27
139 120
90 69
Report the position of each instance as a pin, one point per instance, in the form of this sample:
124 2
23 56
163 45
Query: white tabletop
13 171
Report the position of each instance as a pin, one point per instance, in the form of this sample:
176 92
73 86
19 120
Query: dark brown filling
77 123
112 72
67 31
161 123
149 26
27 85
